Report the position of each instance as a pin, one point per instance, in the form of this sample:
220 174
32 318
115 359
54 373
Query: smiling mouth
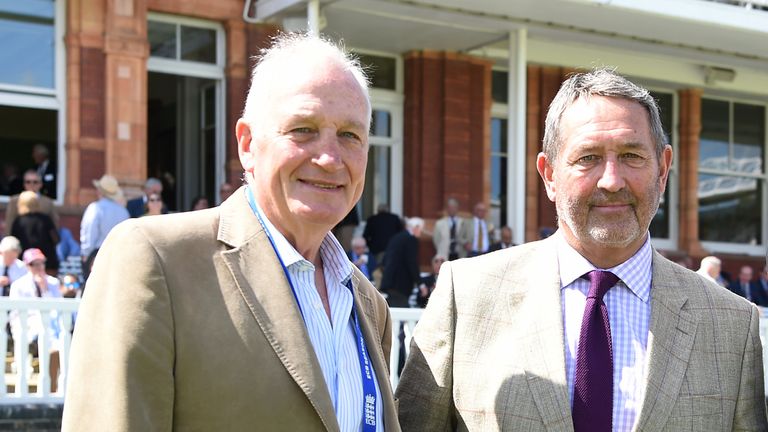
326 186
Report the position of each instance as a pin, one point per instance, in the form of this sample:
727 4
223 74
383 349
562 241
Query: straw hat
109 187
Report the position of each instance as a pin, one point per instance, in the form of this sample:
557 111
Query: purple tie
593 384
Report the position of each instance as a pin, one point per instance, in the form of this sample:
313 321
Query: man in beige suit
446 233
32 182
519 340
247 316
475 232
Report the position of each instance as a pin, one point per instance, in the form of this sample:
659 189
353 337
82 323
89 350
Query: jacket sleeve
425 391
121 371
750 412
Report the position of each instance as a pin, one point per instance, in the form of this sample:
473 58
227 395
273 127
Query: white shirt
480 243
629 313
334 342
25 287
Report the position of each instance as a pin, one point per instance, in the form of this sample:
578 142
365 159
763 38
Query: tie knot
600 282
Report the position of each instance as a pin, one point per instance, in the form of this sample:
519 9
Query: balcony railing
747 4
22 385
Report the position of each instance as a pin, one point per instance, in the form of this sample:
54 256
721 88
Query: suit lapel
369 326
264 288
670 340
545 353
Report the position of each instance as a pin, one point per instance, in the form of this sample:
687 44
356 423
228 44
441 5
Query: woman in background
36 230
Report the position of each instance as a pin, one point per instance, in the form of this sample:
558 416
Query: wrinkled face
32 182
309 151
607 180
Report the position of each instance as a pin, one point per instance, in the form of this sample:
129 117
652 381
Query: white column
313 17
516 142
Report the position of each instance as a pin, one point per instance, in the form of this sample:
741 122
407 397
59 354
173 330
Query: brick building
139 88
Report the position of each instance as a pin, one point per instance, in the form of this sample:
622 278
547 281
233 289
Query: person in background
361 258
506 240
139 206
199 203
99 218
446 233
475 234
427 283
709 268
10 179
36 230
32 182
37 284
70 286
744 286
225 190
379 229
762 280
67 245
154 205
11 267
401 264
345 229
45 169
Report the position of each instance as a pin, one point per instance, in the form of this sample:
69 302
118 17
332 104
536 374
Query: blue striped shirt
629 313
334 341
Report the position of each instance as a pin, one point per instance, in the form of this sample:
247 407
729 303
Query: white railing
58 311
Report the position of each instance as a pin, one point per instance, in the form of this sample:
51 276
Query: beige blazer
488 353
466 235
188 323
441 236
46 207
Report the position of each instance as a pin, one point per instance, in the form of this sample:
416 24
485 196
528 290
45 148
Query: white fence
21 379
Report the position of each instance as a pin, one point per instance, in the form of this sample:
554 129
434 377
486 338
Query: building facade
139 88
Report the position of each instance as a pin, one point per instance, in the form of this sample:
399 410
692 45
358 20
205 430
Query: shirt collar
334 258
636 272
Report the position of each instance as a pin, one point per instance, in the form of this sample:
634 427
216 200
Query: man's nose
328 154
612 177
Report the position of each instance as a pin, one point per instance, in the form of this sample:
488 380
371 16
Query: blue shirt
629 313
334 341
98 220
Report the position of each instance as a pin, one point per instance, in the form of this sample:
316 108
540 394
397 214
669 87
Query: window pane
660 224
162 39
198 44
499 85
498 135
713 147
20 130
377 180
748 137
27 53
381 123
498 178
381 71
730 209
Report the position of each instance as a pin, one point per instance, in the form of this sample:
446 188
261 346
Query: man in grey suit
247 316
590 329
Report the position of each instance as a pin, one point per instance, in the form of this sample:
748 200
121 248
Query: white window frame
200 70
49 99
392 102
673 182
741 248
501 111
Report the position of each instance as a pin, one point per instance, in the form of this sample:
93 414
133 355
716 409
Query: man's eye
302 130
350 135
588 159
633 159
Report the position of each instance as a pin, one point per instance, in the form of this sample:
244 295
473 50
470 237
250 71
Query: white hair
295 52
10 243
710 261
413 223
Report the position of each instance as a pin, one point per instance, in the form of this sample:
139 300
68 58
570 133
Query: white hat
109 187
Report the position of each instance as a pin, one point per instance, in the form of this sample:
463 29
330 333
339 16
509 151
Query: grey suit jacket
488 353
188 323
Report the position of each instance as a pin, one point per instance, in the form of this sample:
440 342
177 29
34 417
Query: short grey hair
152 181
598 82
295 50
10 243
413 223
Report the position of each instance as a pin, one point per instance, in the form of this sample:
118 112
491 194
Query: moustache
622 197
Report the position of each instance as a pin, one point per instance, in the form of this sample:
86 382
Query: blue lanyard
366 371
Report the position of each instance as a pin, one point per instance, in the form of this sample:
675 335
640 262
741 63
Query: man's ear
245 144
665 163
544 167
